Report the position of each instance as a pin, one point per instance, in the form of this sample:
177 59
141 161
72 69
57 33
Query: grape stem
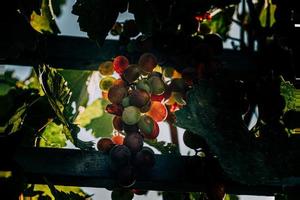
173 129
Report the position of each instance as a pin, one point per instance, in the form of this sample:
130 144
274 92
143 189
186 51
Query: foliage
96 119
287 90
221 125
163 147
53 136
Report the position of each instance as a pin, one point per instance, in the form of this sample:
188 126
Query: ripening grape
117 123
147 62
131 73
120 82
158 111
145 159
134 141
106 83
114 109
105 145
131 115
126 176
157 85
116 94
118 138
139 98
155 97
106 68
119 156
146 125
146 107
144 85
120 63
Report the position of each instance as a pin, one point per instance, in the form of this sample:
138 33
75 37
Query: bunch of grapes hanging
140 98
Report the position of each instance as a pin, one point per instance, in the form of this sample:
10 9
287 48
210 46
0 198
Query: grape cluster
140 98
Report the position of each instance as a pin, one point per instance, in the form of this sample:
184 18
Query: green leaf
264 14
288 91
95 118
231 197
7 82
45 22
59 94
15 122
4 88
122 194
163 147
221 22
53 136
211 112
77 82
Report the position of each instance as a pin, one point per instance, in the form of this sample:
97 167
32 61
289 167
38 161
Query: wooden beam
170 173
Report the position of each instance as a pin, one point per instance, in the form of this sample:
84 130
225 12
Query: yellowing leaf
264 12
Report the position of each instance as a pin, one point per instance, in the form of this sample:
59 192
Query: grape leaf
163 147
221 22
211 112
44 22
77 82
7 82
59 94
53 136
94 117
288 91
231 197
264 12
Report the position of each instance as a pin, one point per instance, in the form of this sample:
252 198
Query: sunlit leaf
53 136
95 118
45 22
77 82
231 197
59 94
264 14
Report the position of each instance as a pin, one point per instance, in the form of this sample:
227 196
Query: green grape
106 68
144 85
126 102
106 83
157 85
147 62
131 115
139 98
116 94
131 73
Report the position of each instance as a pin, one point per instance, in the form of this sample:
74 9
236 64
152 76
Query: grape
139 192
116 29
120 82
193 140
157 97
119 156
117 123
146 125
156 73
131 115
106 83
178 98
144 85
158 111
105 145
147 62
114 109
134 141
120 63
146 107
153 135
157 85
131 74
116 94
145 159
106 68
118 138
130 128
139 98
125 102
126 176
104 95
